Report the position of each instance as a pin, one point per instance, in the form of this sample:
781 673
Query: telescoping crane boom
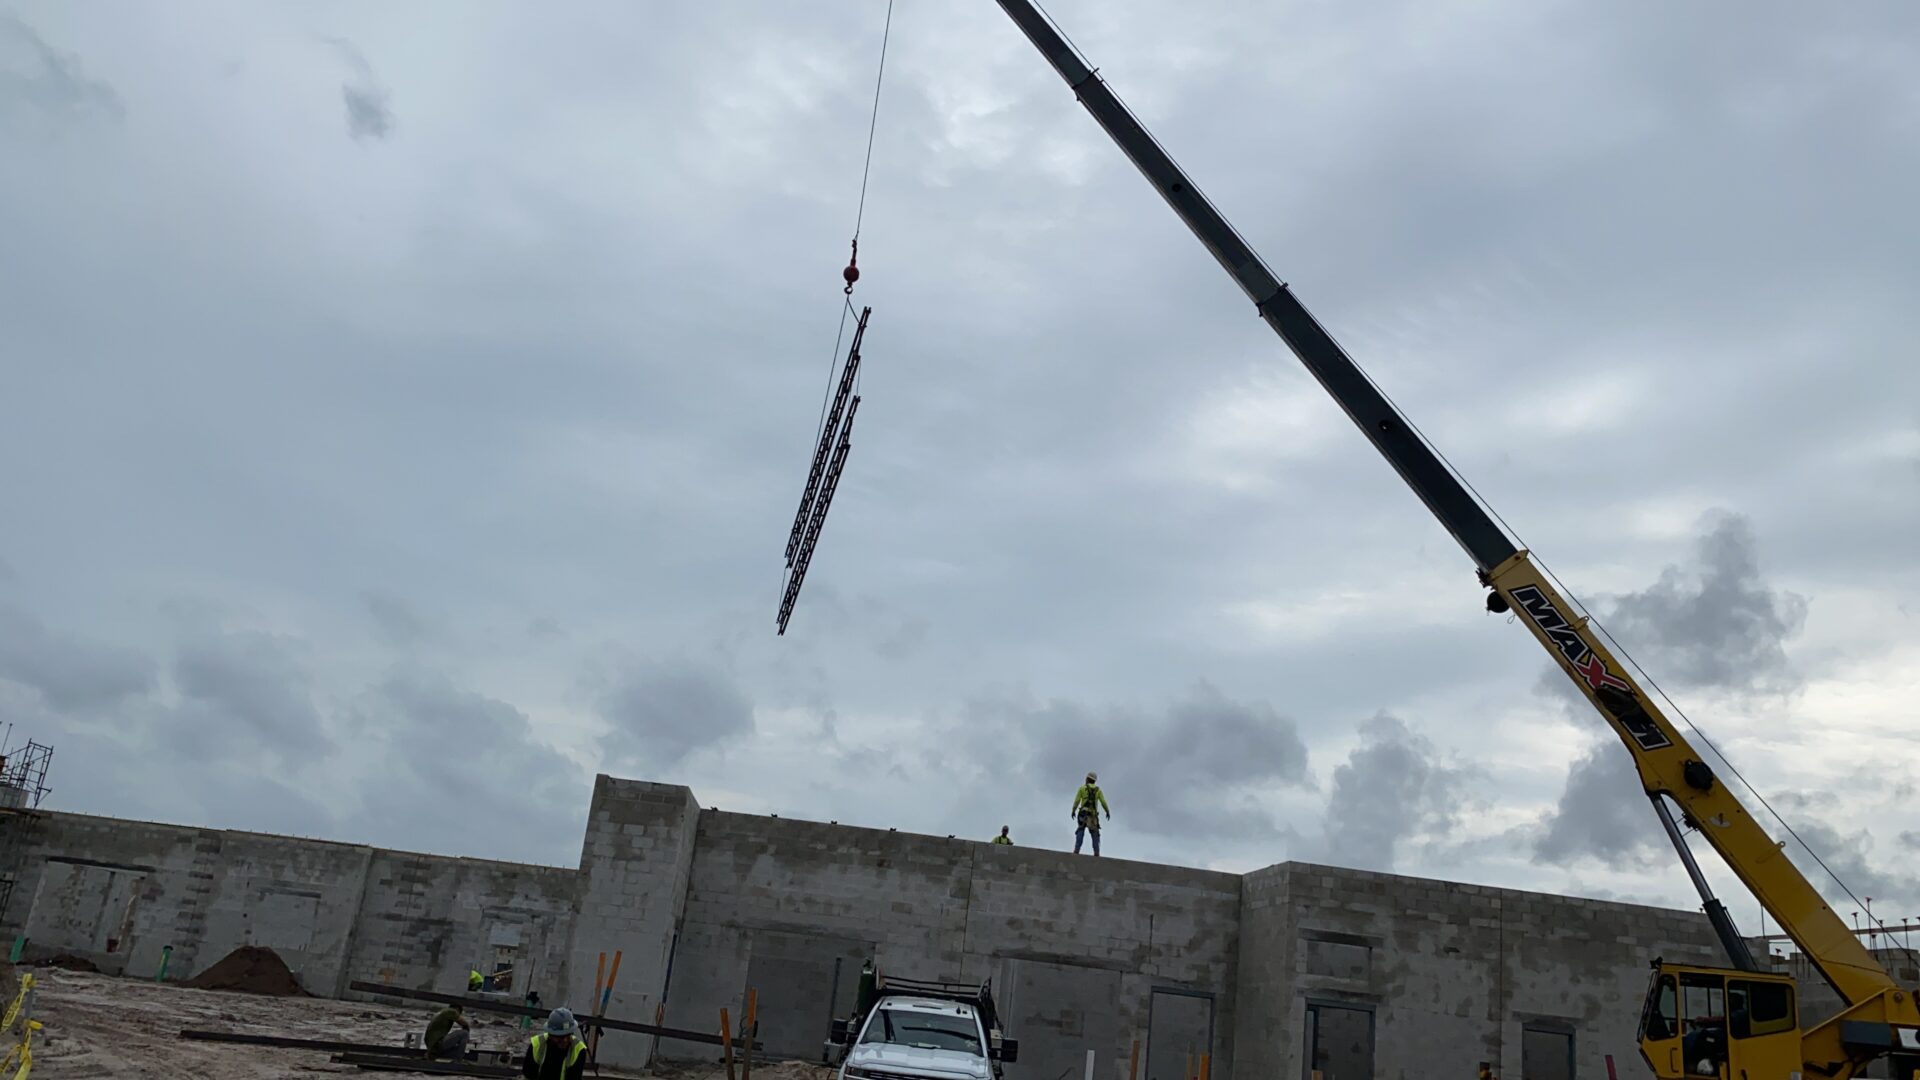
1753 1031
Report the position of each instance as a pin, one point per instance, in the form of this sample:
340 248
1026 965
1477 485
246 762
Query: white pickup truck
923 1031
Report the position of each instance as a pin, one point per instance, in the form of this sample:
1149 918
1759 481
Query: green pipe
166 954
19 946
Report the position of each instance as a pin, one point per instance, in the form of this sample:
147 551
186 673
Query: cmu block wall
787 905
425 921
634 868
119 892
1425 977
1450 975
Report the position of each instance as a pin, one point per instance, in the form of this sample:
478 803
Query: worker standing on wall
557 1052
447 1033
1088 802
474 981
1003 838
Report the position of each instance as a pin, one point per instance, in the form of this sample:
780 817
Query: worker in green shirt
447 1033
474 981
1003 838
1087 804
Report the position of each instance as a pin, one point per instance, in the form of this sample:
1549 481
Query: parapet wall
1272 974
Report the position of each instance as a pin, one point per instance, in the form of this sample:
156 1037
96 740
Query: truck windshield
923 1030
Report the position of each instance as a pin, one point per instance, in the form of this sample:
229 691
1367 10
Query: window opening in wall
505 960
1546 1053
1339 1042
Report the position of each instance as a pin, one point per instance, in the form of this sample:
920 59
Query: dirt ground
97 1026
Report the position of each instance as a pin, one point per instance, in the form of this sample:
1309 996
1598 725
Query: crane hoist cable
834 431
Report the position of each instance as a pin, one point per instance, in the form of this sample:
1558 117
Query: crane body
1737 1021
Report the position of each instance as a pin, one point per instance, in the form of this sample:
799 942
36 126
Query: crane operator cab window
1708 1023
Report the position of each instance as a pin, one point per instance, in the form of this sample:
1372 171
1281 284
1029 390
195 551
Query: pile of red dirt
250 969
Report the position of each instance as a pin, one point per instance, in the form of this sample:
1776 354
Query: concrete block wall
119 892
425 922
1083 952
300 898
792 906
635 866
1447 975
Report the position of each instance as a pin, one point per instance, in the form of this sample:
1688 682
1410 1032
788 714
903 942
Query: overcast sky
405 407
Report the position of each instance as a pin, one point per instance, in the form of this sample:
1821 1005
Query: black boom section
1485 542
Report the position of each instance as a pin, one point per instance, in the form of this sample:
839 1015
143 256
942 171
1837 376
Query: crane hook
852 272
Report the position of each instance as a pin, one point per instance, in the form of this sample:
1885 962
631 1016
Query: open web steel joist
823 478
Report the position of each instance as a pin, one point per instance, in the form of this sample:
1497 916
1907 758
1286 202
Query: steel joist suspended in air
823 478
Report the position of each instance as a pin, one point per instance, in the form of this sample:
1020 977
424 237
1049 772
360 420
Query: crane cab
1720 1022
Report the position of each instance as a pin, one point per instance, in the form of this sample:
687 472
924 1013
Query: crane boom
1669 768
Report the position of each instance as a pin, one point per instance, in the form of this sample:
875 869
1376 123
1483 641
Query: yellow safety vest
537 1050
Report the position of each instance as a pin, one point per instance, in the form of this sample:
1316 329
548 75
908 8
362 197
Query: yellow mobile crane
1751 1029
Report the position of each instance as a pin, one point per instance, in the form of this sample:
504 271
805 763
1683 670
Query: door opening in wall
1179 1032
1546 1052
1339 1041
506 958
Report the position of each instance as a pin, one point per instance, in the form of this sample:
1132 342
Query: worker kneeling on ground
447 1033
1087 804
558 1052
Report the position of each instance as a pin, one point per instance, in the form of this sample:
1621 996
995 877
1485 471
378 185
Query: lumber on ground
396 1063
489 1005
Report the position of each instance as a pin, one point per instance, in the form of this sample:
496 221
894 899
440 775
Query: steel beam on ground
489 1005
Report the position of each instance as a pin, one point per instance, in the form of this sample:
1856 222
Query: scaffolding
23 783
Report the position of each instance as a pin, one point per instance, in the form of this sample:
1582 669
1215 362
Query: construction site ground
102 1026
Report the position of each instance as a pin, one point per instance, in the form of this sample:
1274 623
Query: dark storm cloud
71 673
45 87
1715 624
1190 767
658 713
1393 787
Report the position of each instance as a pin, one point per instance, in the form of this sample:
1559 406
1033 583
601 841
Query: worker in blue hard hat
558 1052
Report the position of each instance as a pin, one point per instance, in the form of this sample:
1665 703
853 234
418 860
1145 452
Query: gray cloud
1393 787
70 673
1083 466
657 714
44 87
396 620
1716 623
1602 813
369 104
247 692
457 771
1196 766
1851 857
